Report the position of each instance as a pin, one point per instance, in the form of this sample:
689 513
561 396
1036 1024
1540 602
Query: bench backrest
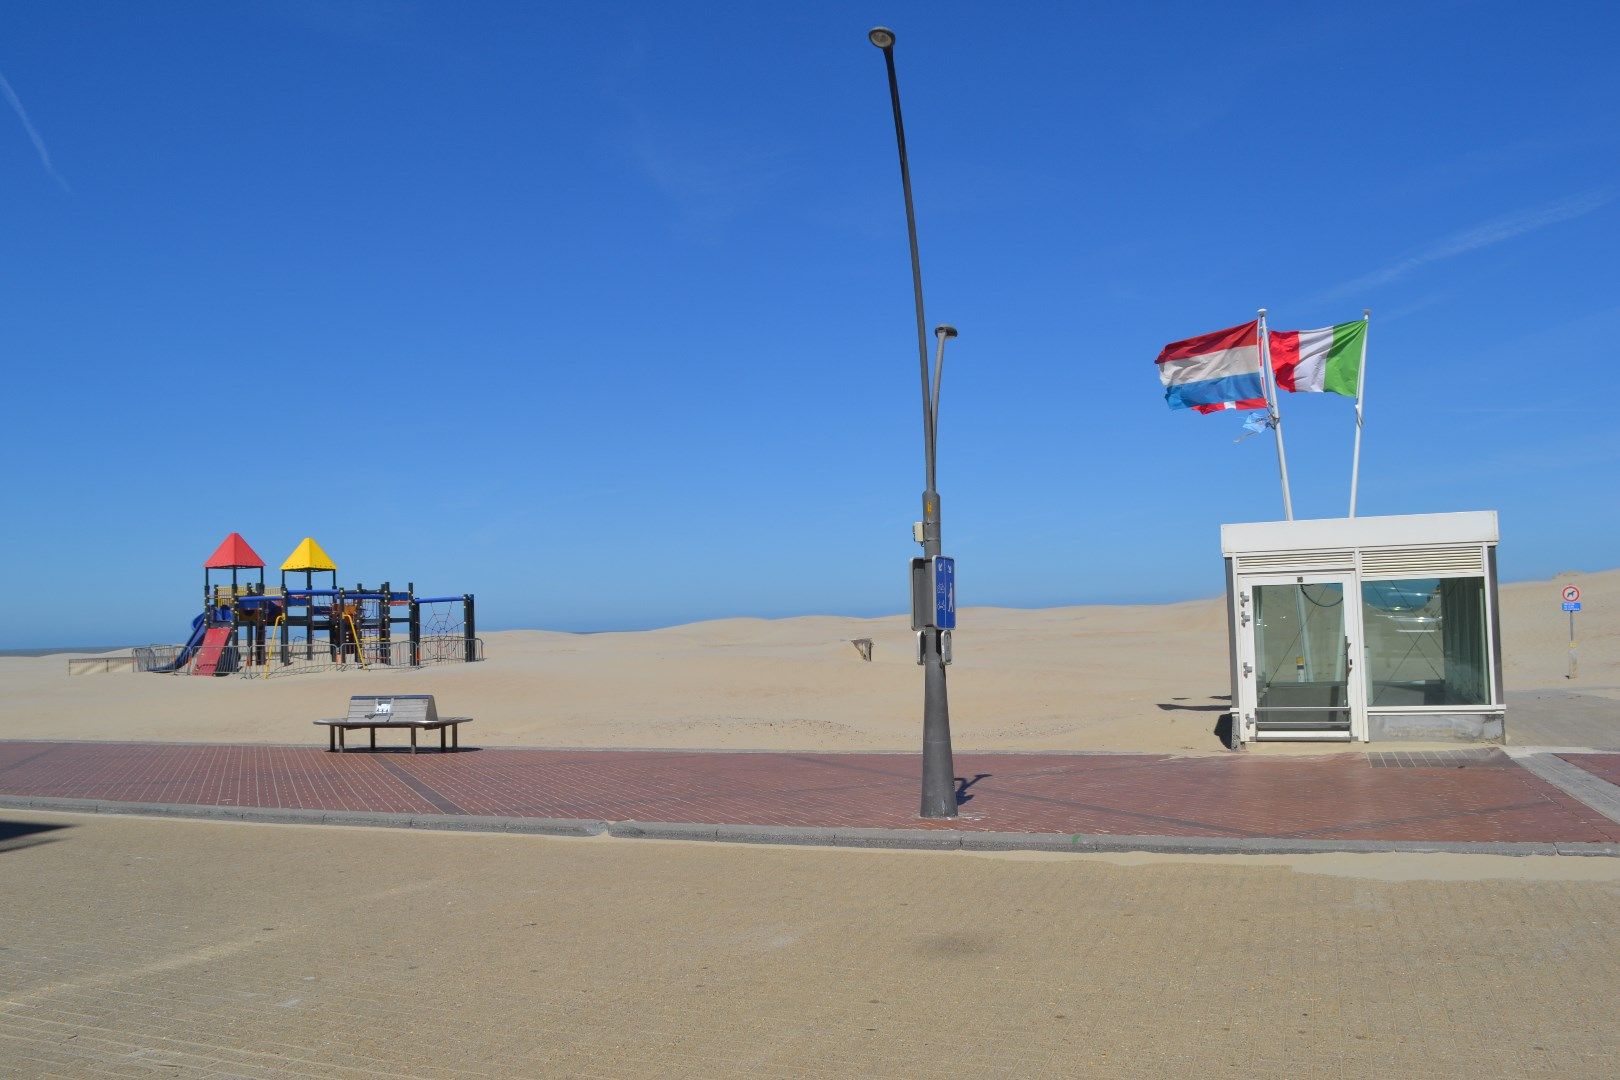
393 708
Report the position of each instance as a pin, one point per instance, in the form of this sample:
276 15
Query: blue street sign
944 592
1572 605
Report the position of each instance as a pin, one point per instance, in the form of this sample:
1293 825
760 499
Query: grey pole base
939 768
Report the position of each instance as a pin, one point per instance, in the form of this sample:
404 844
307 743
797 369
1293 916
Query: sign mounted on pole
1572 604
933 593
944 592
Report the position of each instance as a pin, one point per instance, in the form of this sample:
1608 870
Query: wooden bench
415 712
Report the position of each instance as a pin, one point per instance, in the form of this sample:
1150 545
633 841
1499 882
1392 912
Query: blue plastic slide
199 627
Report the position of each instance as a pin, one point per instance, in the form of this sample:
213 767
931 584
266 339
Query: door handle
1349 660
1247 671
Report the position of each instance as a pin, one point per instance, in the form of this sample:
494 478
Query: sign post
1572 604
938 765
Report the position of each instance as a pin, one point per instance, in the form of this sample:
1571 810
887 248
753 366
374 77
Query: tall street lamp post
933 576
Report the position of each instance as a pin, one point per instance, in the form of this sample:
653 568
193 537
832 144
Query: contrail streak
1487 234
28 126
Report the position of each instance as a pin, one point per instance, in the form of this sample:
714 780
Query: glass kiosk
1365 628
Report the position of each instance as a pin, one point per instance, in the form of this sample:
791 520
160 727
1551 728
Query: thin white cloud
28 126
712 176
1487 234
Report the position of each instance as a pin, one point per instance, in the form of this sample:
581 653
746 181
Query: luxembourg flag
1320 361
1214 372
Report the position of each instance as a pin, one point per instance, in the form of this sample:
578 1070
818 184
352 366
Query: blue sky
603 311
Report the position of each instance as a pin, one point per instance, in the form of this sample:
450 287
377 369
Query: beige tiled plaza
134 947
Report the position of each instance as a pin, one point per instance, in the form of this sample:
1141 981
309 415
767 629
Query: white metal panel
1303 562
1404 530
1382 564
1244 694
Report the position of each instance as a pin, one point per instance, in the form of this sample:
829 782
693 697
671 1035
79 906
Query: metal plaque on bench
393 709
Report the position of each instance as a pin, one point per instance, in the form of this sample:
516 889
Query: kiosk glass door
1303 642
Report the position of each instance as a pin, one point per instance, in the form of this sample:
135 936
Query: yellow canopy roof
309 556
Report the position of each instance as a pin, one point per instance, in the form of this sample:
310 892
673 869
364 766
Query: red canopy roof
233 553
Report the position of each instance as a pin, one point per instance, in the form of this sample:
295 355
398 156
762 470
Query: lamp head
881 36
945 330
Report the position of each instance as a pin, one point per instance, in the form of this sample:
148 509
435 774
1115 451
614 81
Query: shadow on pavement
14 835
963 783
422 749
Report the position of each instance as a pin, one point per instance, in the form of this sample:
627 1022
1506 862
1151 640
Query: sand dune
1151 678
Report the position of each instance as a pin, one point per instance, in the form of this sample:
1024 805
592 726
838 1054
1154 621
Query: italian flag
1317 361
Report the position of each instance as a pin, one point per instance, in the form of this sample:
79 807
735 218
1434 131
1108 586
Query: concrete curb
919 839
291 816
957 840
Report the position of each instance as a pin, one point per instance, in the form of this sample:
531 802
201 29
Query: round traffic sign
1572 593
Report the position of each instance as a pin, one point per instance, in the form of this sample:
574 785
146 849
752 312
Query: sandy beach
1143 678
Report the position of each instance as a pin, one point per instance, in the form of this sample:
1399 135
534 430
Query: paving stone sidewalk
1448 797
140 948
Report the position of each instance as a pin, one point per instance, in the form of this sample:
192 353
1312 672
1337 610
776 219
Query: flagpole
1274 397
1268 381
1361 386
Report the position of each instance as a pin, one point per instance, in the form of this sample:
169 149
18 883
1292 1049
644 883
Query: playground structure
252 629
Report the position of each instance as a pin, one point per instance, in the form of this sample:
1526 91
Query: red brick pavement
1476 797
1602 766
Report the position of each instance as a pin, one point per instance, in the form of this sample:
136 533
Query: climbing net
444 632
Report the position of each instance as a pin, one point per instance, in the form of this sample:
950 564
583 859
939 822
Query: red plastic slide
212 648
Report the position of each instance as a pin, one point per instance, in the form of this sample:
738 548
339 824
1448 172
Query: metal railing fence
164 658
300 655
81 665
